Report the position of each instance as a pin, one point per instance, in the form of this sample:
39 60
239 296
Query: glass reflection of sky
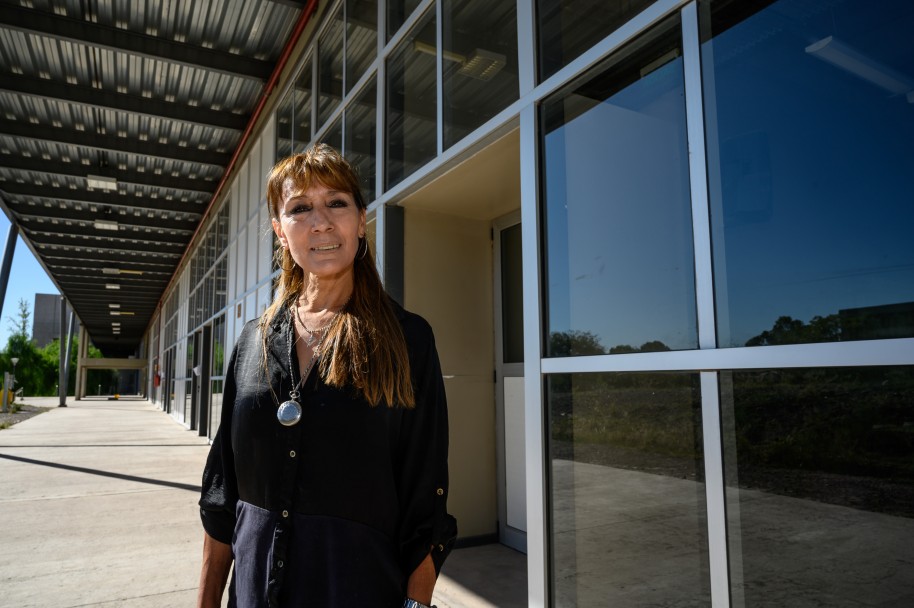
618 216
811 166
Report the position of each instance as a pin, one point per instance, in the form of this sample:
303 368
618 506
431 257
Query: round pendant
289 413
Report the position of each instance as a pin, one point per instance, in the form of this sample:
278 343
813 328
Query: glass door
509 382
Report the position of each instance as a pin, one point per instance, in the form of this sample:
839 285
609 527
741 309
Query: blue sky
27 278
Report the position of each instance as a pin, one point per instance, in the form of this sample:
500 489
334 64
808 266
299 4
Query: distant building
46 319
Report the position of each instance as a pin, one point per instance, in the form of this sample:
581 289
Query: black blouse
341 508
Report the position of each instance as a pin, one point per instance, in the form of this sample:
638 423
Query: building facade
46 319
665 248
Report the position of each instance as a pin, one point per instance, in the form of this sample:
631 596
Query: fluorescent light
850 60
114 305
120 271
105 225
483 65
112 286
429 49
114 313
101 183
115 323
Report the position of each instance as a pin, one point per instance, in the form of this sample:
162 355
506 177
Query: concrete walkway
98 507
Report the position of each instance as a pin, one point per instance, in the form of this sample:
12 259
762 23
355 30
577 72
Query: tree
21 325
31 369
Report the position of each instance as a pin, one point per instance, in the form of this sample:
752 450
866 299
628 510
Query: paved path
98 507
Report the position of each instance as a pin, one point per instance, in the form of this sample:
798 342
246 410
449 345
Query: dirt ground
25 412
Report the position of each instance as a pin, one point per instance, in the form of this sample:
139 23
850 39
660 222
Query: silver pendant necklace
290 411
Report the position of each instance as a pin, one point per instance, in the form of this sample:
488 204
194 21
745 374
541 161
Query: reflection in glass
628 520
618 213
819 468
330 68
217 373
411 102
480 63
512 295
216 388
567 28
361 138
220 281
301 132
398 11
810 169
361 38
284 126
333 137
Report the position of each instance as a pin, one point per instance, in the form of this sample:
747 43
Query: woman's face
321 228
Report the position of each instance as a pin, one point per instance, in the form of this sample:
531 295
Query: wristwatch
411 603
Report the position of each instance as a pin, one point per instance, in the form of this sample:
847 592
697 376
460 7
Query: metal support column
7 263
62 372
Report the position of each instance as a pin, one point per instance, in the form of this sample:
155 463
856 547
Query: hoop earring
365 249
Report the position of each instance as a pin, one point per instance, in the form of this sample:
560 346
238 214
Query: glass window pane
411 103
618 222
512 295
301 132
334 135
819 468
330 68
284 120
567 28
361 38
628 518
479 63
398 11
361 139
216 388
810 123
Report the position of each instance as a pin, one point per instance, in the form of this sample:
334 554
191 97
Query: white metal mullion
534 412
439 78
701 222
380 139
526 46
380 244
704 297
898 351
714 490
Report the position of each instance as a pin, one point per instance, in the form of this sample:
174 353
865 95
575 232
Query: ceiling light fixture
101 182
112 286
120 271
483 65
114 305
105 225
850 60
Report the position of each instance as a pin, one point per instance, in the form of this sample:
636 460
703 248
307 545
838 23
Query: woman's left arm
421 583
427 531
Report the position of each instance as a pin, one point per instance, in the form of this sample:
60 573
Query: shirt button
285 513
279 564
292 454
441 547
440 491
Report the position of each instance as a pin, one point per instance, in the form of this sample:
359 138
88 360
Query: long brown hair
364 347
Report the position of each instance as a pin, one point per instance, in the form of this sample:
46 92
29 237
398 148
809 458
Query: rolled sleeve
219 496
426 525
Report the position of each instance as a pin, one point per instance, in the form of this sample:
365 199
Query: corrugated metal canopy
150 96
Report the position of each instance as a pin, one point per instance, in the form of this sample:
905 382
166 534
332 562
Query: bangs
319 165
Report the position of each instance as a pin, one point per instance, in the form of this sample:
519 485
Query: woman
327 480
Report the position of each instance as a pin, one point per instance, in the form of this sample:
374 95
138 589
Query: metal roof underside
153 98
